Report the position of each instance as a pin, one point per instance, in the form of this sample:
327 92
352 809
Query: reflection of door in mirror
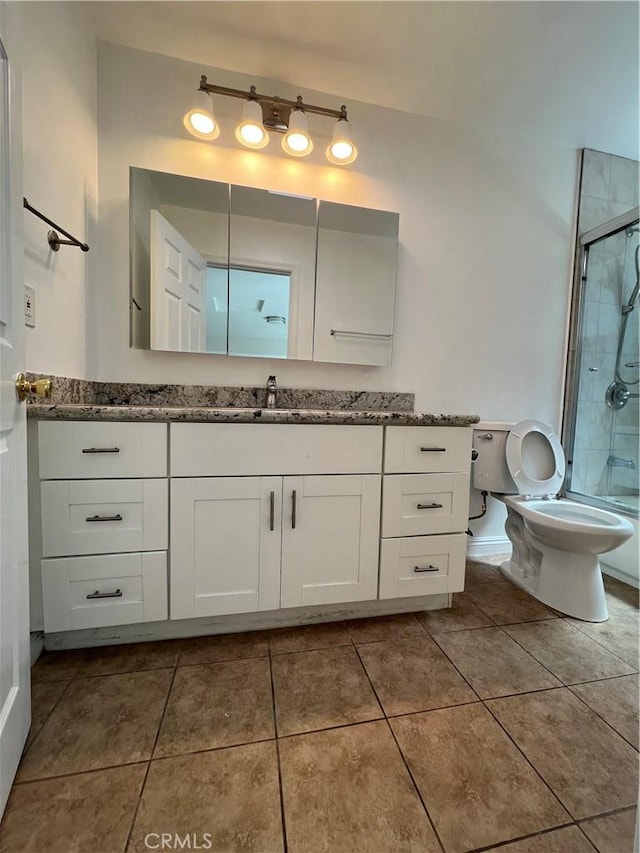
178 271
272 257
196 226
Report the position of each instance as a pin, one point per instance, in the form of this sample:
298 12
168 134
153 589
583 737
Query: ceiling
565 72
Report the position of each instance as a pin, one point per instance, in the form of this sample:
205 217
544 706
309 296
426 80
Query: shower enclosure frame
574 355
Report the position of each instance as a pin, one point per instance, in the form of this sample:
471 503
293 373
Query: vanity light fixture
263 113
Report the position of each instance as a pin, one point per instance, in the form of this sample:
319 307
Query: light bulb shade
200 120
250 132
297 141
342 149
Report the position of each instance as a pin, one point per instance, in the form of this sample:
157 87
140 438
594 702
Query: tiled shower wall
609 188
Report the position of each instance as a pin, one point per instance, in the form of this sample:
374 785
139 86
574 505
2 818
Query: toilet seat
535 459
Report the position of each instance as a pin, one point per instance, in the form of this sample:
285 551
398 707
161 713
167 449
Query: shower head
631 231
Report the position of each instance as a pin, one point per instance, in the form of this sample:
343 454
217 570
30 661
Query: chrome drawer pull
432 449
98 594
272 507
293 509
117 517
429 568
101 450
430 506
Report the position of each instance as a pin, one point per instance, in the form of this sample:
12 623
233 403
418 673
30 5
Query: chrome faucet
272 393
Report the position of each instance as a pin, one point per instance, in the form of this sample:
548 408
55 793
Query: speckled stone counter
77 399
211 414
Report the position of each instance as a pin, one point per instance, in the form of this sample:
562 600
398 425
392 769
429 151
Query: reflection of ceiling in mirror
195 193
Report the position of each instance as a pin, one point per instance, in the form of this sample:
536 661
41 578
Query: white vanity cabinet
102 492
425 509
300 527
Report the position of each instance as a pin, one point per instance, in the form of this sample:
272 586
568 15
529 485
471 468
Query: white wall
485 241
58 56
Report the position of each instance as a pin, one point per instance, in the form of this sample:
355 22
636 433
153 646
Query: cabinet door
330 530
225 545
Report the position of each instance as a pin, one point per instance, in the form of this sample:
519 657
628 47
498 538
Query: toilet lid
535 458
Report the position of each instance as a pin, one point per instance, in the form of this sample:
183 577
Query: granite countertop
81 400
237 414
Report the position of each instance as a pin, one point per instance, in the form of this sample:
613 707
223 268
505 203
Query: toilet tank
489 471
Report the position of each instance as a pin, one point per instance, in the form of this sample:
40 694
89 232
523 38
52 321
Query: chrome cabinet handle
293 509
117 517
272 510
353 334
98 594
430 506
101 450
432 449
428 568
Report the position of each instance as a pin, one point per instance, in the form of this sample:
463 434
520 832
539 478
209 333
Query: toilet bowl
555 542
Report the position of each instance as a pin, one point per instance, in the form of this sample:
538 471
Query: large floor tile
505 604
569 839
321 689
613 833
620 596
477 787
44 696
493 663
57 666
589 767
348 790
571 655
218 704
477 572
616 701
227 800
130 657
462 614
620 634
384 628
308 637
413 675
223 647
75 814
99 722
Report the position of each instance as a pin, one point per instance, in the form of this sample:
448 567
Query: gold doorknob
39 388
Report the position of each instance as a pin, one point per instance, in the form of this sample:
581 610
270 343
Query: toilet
556 542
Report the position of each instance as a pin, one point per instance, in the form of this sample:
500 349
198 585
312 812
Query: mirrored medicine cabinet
239 271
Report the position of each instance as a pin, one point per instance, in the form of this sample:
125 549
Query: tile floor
495 724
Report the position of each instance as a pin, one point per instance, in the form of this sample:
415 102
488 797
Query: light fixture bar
252 95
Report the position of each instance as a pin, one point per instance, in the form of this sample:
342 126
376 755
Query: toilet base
570 583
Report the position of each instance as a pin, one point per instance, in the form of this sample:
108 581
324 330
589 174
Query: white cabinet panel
103 516
74 450
422 565
415 450
225 545
421 504
330 539
231 450
114 589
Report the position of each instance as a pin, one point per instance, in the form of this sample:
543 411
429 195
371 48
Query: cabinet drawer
115 589
74 450
236 450
103 516
421 504
422 565
414 450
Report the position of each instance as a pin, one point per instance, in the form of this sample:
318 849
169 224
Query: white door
178 294
15 705
330 534
225 545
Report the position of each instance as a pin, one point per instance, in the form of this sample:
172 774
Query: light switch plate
29 305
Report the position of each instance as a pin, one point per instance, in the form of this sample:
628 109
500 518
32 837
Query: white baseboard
482 546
